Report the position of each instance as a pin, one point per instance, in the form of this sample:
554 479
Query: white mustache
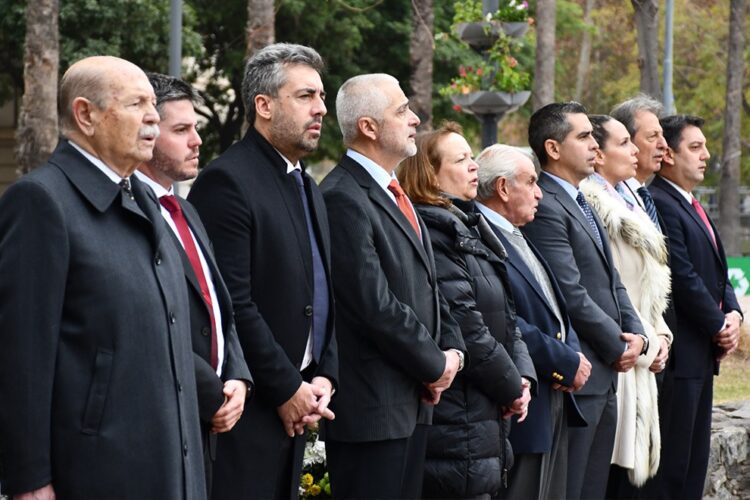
149 131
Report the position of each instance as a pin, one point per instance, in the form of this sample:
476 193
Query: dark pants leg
369 470
590 448
543 475
686 440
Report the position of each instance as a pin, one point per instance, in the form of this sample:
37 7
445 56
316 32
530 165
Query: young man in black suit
708 316
399 346
221 373
570 236
268 224
97 375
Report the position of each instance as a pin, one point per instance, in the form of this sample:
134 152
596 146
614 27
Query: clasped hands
230 412
582 376
434 390
307 406
728 338
630 356
520 406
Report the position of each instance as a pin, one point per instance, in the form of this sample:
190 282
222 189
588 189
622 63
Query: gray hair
625 111
169 88
361 96
265 71
498 160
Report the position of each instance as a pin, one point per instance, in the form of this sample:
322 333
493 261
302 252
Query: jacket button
172 319
157 259
179 387
184 448
205 331
559 335
308 311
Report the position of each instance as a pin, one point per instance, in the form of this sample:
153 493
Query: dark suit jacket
392 324
699 284
597 302
96 368
253 213
210 386
555 360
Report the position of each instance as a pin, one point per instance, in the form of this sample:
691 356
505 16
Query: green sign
739 274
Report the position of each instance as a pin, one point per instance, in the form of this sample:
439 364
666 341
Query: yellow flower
465 89
307 480
315 490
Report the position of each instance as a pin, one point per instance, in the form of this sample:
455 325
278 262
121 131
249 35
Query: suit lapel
570 206
687 207
381 199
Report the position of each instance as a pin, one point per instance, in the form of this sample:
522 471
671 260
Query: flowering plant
470 11
499 73
314 480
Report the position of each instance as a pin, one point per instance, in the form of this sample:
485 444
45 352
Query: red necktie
174 209
702 214
404 205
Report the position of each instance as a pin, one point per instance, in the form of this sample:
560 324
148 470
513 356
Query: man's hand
44 493
583 373
582 376
520 406
728 337
302 403
231 411
660 361
322 410
630 356
436 388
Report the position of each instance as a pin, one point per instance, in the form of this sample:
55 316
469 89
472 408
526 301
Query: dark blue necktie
589 216
648 202
320 282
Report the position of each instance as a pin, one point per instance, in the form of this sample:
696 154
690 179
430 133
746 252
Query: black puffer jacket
468 452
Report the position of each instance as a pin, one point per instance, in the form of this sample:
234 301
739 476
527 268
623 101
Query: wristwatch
644 350
460 359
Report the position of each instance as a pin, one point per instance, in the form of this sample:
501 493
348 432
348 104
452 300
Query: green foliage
470 11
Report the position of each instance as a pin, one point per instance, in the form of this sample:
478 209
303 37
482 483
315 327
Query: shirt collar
567 186
111 174
688 197
376 171
289 166
495 218
158 189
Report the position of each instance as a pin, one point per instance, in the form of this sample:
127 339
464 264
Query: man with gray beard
269 228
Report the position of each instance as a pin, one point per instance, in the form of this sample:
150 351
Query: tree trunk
260 29
544 70
584 58
729 202
421 49
647 27
37 133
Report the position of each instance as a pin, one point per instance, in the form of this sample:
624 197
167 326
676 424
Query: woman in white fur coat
640 256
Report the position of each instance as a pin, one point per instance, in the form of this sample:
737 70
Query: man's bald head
93 78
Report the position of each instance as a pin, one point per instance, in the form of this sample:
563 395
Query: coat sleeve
488 365
228 222
550 235
549 354
361 287
34 256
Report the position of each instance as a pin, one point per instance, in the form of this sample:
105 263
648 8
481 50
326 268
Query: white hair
361 96
498 160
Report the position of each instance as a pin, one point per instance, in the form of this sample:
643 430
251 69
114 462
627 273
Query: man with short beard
221 373
268 224
398 345
96 367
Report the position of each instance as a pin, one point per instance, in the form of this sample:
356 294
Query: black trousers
379 469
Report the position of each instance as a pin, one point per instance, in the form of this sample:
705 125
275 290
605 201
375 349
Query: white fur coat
640 257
